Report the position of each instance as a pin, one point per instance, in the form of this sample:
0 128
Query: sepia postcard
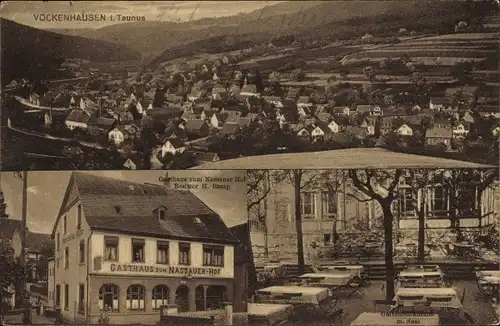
176 84
250 163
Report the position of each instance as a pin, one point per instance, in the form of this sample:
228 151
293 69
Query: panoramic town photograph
178 84
124 247
374 247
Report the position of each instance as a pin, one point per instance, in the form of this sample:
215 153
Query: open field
353 158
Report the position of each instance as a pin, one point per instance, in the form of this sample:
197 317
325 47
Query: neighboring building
173 146
404 130
116 136
436 136
77 118
197 128
461 129
132 247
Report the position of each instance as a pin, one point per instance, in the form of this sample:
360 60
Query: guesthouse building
127 249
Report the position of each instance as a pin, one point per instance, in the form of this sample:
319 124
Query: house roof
342 121
8 226
438 133
230 128
104 122
176 142
168 111
303 99
395 111
243 121
100 196
37 242
354 130
323 116
272 98
222 117
362 108
194 124
338 109
78 115
205 156
249 89
440 100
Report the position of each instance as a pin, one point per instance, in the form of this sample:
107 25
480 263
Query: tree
353 95
344 72
369 73
274 77
300 179
298 75
260 184
418 181
3 206
10 273
461 27
405 57
381 186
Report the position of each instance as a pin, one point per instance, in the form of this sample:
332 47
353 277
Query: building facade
128 248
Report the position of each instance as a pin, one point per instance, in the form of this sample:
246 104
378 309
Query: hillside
281 19
32 53
313 24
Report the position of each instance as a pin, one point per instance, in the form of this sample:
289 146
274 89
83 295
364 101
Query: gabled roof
324 116
99 196
342 121
244 121
230 128
356 130
102 122
272 98
194 124
249 89
78 115
303 100
8 226
37 242
438 133
176 142
364 108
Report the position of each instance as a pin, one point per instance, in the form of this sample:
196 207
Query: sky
24 12
46 191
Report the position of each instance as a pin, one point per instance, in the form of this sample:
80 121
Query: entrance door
182 298
200 298
58 296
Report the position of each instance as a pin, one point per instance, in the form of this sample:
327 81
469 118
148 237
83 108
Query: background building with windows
334 211
129 248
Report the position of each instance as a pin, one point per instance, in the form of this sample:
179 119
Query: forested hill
33 53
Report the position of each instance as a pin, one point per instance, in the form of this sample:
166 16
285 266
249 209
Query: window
307 205
82 251
406 204
213 255
330 204
58 295
160 296
467 198
57 262
327 239
81 298
66 258
65 224
138 250
79 217
66 296
184 253
108 297
58 240
135 297
162 252
118 209
439 202
162 214
111 248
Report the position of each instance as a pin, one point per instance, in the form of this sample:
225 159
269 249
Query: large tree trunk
388 243
421 232
298 221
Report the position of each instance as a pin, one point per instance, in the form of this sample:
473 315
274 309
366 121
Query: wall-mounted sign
168 270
